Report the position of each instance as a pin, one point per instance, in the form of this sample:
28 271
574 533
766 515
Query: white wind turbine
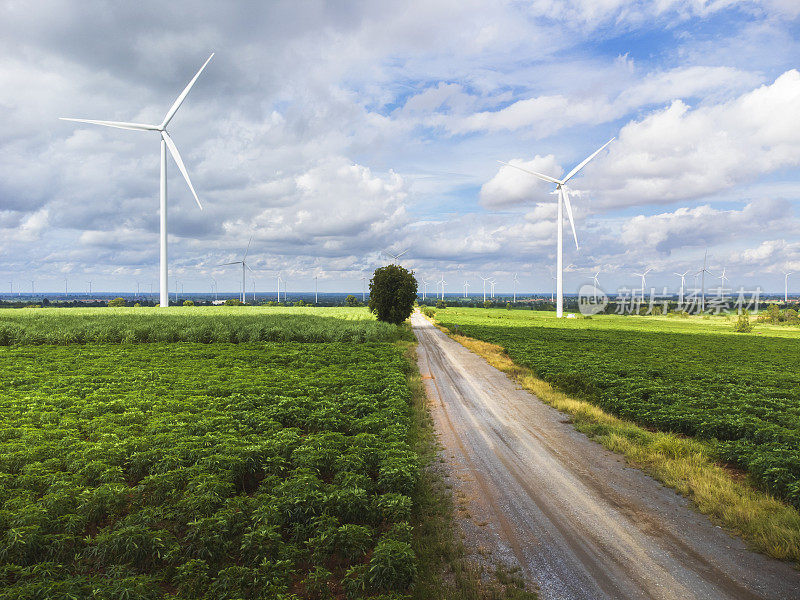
722 279
485 279
683 283
786 285
442 283
516 281
703 271
492 283
424 288
396 257
363 288
596 284
563 201
244 264
466 288
166 143
642 275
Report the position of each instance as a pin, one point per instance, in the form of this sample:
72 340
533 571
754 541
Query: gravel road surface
567 512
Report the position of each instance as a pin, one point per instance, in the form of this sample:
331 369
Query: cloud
680 153
701 226
511 187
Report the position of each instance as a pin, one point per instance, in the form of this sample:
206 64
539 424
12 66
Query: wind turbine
642 275
466 288
396 257
244 264
363 288
722 279
166 143
424 288
492 283
786 285
216 288
516 281
683 282
442 283
596 283
485 279
278 280
703 271
563 201
316 289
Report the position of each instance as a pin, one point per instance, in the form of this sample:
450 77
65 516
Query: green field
205 325
694 376
204 470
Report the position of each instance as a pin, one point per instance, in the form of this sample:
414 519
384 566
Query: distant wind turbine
722 278
703 272
466 288
396 257
485 279
786 285
563 201
596 284
516 281
316 289
244 264
492 283
424 288
683 283
442 283
166 143
363 288
278 280
642 275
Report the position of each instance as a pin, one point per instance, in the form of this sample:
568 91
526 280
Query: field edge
767 524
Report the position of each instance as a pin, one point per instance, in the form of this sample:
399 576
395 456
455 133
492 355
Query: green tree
188 302
351 300
743 325
392 292
116 302
233 302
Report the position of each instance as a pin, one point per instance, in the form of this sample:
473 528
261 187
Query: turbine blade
176 105
403 252
117 124
586 161
238 262
173 149
248 268
248 248
568 206
534 173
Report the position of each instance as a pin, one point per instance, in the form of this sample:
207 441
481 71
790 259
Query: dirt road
570 514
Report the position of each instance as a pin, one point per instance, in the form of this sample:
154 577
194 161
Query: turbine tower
642 275
424 288
595 283
492 283
786 286
485 279
442 283
563 202
516 281
244 264
466 288
166 143
703 271
683 283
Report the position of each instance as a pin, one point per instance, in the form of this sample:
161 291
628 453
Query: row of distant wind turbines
167 144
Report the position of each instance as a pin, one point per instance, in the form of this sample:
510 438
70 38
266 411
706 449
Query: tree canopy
392 291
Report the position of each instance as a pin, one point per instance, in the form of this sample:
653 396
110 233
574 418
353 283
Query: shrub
441 304
488 304
351 300
428 311
233 302
509 306
392 566
392 292
116 302
743 324
188 302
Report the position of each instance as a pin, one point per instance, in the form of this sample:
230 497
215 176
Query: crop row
740 392
200 325
205 471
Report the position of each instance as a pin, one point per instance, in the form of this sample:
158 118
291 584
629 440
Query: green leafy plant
392 292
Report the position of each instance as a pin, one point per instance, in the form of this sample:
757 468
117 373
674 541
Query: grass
445 572
36 326
688 465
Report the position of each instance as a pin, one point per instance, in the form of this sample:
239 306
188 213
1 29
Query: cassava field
204 453
693 376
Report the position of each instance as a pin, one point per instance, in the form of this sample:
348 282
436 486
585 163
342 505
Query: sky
331 131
